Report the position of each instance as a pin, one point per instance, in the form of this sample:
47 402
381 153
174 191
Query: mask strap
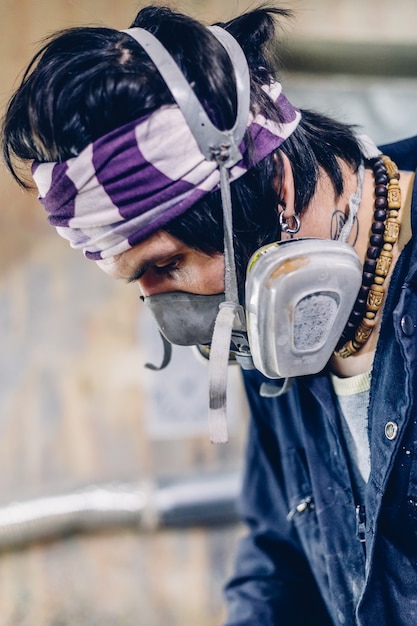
354 202
231 314
223 147
206 134
218 368
166 357
369 151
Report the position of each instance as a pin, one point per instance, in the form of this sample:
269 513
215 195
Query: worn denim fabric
308 558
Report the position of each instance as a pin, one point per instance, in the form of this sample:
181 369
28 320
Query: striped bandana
130 183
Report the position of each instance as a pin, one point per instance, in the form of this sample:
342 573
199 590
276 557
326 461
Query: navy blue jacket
313 557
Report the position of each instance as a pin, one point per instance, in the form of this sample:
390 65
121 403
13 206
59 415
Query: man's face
162 263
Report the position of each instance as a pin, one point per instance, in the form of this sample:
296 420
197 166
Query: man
178 198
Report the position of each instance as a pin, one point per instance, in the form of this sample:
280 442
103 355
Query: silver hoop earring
291 226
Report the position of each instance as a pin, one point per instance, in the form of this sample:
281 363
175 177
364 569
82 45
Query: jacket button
391 430
407 325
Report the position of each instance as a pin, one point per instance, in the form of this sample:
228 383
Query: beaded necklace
384 234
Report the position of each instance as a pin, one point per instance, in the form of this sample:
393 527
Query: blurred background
135 507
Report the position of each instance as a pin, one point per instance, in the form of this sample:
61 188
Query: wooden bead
369 266
380 214
384 234
381 202
392 169
363 292
360 304
376 240
372 252
346 351
379 167
381 190
392 230
375 296
394 196
378 227
381 178
364 331
384 263
367 278
356 317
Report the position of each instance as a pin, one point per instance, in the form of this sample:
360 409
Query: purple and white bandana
130 183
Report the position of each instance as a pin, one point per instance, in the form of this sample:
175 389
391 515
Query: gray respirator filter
299 295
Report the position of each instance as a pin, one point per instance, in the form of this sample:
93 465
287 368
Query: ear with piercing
290 225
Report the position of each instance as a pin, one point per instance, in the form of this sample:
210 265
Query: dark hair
86 81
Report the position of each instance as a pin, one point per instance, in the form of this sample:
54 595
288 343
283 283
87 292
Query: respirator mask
299 293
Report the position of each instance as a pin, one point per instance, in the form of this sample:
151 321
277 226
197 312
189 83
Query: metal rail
200 501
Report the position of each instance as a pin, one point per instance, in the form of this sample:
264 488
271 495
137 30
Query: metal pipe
199 501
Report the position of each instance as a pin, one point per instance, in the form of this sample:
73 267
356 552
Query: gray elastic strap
223 147
354 203
231 315
242 80
230 279
218 364
368 147
166 358
206 134
369 151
